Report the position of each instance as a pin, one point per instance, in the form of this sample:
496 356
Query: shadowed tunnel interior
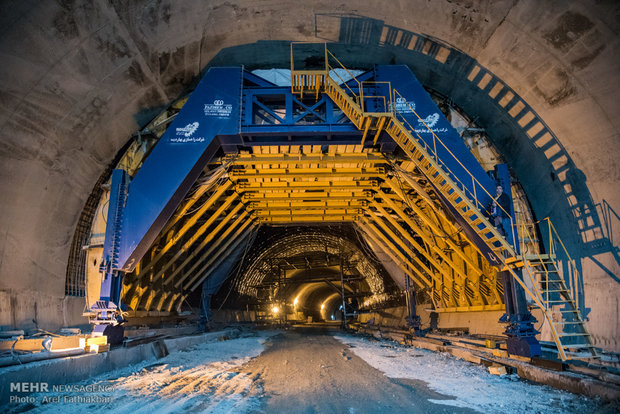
299 270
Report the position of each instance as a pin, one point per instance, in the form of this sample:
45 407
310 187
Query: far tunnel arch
299 267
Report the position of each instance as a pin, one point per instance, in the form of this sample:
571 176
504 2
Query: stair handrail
552 231
386 104
544 292
553 237
536 295
506 266
455 177
330 68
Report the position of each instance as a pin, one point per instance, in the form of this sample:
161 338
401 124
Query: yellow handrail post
326 63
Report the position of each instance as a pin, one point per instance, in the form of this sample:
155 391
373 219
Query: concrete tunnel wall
79 77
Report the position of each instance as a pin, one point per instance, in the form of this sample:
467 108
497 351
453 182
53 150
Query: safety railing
332 67
546 261
387 103
541 289
437 142
554 286
331 71
555 245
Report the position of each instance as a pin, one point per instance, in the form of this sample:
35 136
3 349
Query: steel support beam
320 184
218 257
429 243
189 223
202 244
242 218
404 248
375 235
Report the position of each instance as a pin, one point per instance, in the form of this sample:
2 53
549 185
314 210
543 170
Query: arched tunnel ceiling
304 255
79 78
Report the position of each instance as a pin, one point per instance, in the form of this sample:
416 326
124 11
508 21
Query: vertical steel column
344 303
520 329
413 320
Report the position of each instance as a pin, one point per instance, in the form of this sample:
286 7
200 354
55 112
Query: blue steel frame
275 116
232 108
105 309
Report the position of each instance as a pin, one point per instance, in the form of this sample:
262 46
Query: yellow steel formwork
390 200
304 184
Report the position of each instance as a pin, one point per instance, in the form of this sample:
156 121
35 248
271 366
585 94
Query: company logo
218 109
29 387
403 106
430 120
188 130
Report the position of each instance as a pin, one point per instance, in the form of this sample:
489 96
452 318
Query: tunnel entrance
309 273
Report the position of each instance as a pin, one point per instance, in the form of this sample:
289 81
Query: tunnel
299 180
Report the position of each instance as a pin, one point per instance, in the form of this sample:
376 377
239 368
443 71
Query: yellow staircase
541 280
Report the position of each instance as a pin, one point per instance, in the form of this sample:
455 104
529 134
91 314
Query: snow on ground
203 378
471 384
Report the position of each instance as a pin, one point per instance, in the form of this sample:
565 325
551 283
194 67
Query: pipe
39 356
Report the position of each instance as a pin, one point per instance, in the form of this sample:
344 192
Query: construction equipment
371 149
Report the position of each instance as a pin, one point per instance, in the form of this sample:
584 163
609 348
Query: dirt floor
306 370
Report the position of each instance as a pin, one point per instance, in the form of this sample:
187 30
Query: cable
215 178
219 181
365 247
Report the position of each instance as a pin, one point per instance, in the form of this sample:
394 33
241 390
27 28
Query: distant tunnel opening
297 273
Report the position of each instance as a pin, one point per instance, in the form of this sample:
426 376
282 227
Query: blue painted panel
177 160
503 179
111 283
405 82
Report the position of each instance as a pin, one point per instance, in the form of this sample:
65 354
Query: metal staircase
559 293
557 297
460 192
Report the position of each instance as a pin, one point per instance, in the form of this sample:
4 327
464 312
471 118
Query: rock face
78 77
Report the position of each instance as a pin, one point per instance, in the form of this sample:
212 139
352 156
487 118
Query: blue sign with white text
178 159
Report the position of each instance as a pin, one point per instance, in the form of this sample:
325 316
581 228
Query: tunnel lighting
295 301
322 306
275 309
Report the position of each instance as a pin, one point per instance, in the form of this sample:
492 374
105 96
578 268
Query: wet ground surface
306 370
